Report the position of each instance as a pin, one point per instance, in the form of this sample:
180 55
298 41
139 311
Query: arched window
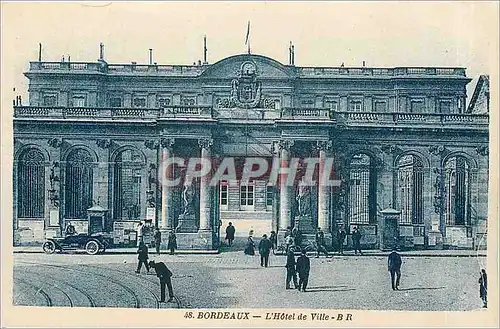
78 186
457 191
362 194
31 185
410 190
127 185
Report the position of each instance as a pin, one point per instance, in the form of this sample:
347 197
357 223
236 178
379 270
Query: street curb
216 252
194 252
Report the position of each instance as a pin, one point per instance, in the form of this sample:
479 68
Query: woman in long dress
250 248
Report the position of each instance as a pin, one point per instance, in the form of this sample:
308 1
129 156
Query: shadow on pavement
421 288
327 289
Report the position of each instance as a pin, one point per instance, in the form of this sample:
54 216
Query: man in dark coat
265 246
483 288
230 230
142 257
290 270
274 239
340 240
320 243
394 266
356 240
303 267
172 242
157 238
164 274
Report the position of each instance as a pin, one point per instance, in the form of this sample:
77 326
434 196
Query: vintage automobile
92 244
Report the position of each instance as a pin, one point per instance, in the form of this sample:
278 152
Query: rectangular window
224 195
269 196
332 105
78 101
246 197
188 101
380 106
115 102
356 106
49 100
417 106
277 104
163 101
139 102
445 107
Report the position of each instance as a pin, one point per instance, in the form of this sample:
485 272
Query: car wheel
49 247
92 247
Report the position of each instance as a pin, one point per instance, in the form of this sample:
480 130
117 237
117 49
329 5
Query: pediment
230 67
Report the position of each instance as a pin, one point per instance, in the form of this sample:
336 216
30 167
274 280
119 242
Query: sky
382 34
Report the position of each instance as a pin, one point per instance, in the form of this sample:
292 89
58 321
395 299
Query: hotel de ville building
410 150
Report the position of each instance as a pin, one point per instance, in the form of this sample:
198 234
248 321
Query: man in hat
394 266
265 246
157 238
230 231
303 267
356 240
290 270
164 274
320 243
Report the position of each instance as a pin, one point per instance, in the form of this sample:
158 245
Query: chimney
150 56
40 52
69 58
293 54
101 51
290 54
364 63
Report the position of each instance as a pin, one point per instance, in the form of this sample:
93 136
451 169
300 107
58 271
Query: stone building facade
403 144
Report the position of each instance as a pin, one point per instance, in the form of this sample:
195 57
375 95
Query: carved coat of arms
246 89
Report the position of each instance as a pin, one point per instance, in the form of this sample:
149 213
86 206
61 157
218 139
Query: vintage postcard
254 164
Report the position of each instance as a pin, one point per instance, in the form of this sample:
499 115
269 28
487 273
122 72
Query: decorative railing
378 72
305 113
195 70
356 118
187 111
76 67
112 113
300 114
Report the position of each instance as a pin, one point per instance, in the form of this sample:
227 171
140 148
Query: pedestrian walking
291 273
157 238
265 246
172 242
356 239
297 236
165 276
483 288
274 240
230 231
320 243
250 247
341 239
394 266
140 233
142 257
303 268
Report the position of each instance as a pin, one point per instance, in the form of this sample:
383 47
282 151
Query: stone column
205 189
285 219
166 173
323 190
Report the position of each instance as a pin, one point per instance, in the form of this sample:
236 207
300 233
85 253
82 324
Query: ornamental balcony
196 70
109 113
311 115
